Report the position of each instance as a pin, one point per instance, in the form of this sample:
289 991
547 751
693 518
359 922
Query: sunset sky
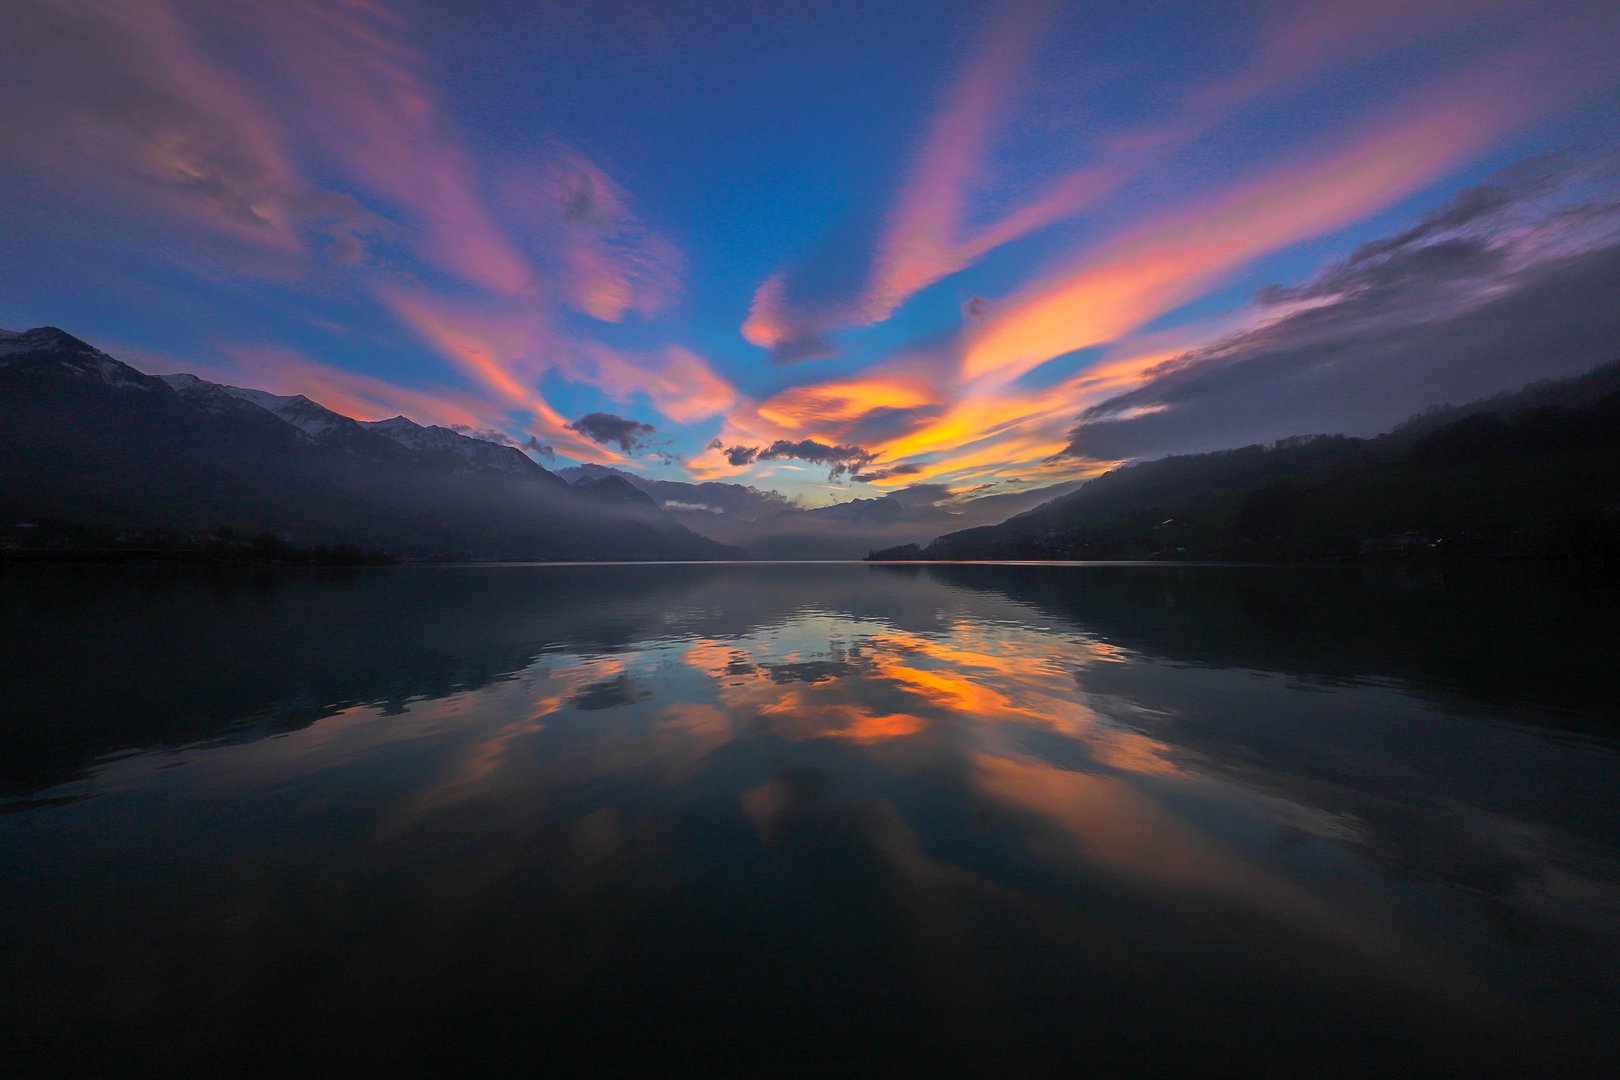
829 248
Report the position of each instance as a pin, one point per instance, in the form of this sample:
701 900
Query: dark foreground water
986 820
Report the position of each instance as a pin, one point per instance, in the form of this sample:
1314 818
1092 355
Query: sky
831 249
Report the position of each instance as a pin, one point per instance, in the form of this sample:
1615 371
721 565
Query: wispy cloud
678 382
935 226
1502 285
364 397
613 264
498 351
329 157
363 96
120 98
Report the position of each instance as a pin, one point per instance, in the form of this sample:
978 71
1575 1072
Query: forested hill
1531 473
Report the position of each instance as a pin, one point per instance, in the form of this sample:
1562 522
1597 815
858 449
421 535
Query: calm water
957 819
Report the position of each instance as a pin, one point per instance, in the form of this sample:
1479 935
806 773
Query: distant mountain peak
614 488
52 348
309 417
45 339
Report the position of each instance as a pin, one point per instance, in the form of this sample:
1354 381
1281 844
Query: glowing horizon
817 258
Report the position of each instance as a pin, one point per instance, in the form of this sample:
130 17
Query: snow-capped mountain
296 409
322 424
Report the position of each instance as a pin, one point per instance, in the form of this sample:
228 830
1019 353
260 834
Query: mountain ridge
90 440
1534 471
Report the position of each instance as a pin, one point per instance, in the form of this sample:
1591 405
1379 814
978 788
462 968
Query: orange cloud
498 353
920 244
829 409
766 325
1163 264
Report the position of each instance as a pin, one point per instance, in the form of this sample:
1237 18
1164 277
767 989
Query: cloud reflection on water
1001 810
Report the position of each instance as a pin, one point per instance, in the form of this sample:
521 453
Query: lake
964 819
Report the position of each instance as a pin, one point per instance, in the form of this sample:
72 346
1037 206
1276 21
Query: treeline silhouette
51 541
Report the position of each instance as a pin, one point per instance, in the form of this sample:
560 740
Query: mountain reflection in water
1203 820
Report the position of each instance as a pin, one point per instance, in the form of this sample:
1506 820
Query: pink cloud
613 264
121 98
680 384
499 352
921 242
361 91
363 397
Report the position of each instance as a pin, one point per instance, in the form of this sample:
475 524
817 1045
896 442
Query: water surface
765 819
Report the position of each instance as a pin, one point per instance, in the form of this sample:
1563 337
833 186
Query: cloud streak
930 231
1502 285
1165 264
120 98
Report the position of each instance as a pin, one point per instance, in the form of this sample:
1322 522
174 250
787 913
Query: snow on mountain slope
307 416
47 344
219 400
318 422
479 453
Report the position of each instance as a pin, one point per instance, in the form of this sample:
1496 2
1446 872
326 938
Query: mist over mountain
768 525
88 440
1534 472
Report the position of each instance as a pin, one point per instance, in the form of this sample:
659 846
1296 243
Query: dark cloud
974 308
1482 202
500 438
838 459
607 429
612 694
810 346
905 469
1507 283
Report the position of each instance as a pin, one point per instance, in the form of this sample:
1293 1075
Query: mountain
707 500
614 489
457 449
1535 472
92 442
768 525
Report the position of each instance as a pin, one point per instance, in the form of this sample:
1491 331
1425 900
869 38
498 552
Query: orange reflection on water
890 685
